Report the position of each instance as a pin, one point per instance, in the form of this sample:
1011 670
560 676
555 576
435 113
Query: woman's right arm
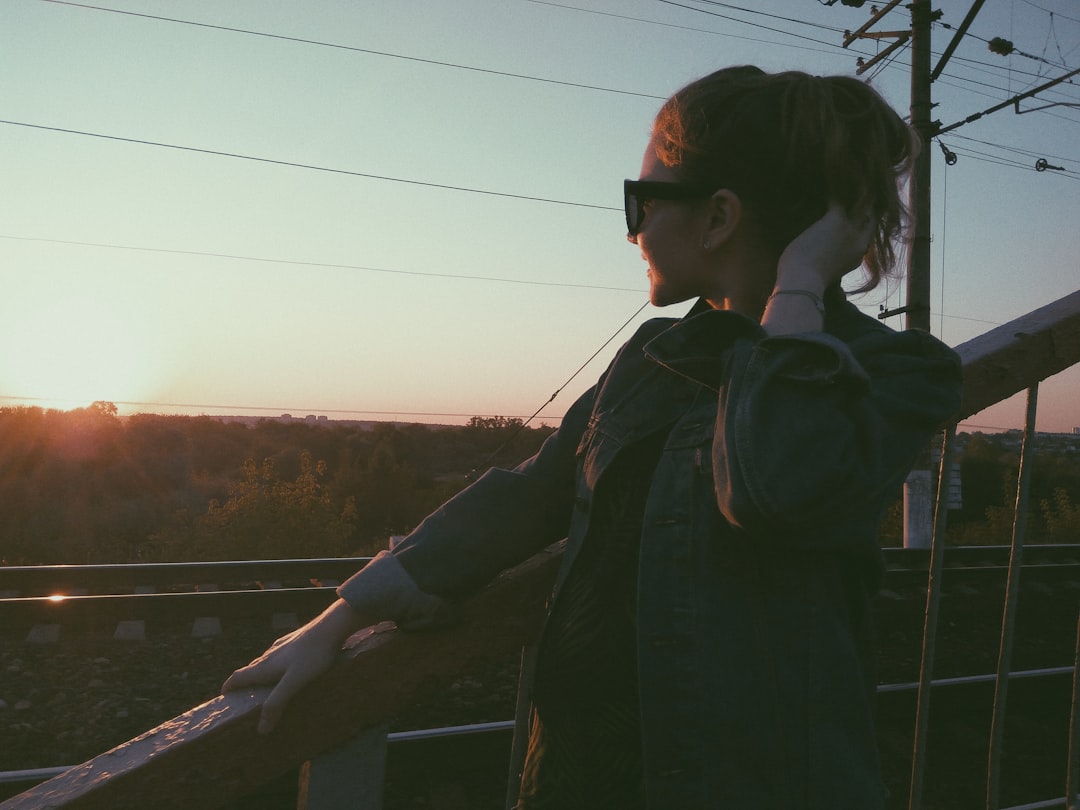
494 524
296 659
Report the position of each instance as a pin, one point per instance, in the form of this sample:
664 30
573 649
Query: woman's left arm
811 426
812 262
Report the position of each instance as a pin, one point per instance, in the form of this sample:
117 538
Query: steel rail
46 580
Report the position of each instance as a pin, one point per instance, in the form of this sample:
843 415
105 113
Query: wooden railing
212 755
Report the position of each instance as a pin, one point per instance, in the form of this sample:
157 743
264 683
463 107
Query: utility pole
917 315
918 488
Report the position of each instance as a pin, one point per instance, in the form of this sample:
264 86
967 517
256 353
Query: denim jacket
758 550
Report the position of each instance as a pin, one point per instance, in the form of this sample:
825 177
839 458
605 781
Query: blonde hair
789 144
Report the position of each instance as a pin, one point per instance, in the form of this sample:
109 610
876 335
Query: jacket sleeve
811 428
500 520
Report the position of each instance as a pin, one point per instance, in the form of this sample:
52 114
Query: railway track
123 688
94 597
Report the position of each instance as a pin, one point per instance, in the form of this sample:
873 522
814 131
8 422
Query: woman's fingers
286 668
294 660
273 707
828 249
254 674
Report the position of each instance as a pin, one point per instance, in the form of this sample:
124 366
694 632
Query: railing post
349 778
1008 617
930 622
1072 779
520 745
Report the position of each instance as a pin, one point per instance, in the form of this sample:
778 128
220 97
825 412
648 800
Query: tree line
87 486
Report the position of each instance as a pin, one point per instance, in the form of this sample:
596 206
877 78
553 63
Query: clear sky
412 210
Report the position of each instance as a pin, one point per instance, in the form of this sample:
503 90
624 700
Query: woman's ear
723 218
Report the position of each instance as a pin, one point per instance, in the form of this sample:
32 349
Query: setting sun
71 351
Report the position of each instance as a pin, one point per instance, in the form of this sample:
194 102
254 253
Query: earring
705 245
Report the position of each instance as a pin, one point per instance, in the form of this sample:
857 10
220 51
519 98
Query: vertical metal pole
1072 780
930 622
1008 618
917 520
519 748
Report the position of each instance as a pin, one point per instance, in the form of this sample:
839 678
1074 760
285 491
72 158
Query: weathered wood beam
1016 355
212 754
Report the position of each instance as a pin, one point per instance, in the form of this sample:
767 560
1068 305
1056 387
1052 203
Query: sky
413 210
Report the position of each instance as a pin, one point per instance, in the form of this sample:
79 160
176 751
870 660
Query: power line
744 22
266 409
328 265
508 74
295 165
830 28
827 47
1013 164
1052 13
445 64
559 390
1016 149
323 44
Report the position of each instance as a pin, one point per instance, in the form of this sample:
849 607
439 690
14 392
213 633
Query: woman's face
670 239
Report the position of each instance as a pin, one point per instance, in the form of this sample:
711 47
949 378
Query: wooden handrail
212 755
1020 353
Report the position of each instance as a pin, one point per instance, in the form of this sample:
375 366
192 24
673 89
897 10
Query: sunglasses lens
633 214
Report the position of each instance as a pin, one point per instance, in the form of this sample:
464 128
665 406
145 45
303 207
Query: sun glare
69 353
57 597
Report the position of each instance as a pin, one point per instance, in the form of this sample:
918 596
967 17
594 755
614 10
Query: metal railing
1003 362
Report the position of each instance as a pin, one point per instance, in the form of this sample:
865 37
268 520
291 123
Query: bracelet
818 303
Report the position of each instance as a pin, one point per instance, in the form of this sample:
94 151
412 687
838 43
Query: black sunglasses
638 192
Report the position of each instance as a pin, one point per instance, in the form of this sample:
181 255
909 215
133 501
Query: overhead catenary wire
559 390
1048 11
328 265
1017 149
1031 166
830 28
324 44
744 22
298 165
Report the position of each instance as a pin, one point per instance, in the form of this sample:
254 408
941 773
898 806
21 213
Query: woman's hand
826 251
295 660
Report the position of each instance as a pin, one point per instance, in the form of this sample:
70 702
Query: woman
720 486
